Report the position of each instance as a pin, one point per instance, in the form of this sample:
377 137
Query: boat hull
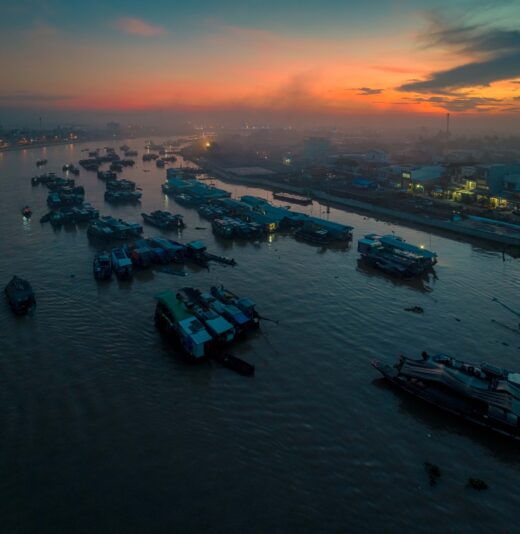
445 400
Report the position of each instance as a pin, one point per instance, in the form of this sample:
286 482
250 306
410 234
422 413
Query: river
105 428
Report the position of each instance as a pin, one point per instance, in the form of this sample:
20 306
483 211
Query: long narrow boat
482 394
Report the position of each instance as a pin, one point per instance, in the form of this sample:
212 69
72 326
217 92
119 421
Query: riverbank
492 234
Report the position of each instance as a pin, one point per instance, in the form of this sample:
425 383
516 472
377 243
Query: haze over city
310 62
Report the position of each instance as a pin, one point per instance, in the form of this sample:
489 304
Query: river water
105 428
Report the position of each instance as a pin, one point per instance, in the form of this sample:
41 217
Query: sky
382 58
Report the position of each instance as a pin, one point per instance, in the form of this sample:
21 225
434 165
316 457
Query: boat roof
505 394
403 245
195 329
219 325
196 245
176 307
246 302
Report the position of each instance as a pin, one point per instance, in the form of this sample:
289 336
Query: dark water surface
104 428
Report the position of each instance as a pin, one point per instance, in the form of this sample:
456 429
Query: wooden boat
164 220
20 295
121 263
235 364
26 212
292 197
102 266
482 394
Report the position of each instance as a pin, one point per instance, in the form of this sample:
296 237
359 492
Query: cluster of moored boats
205 322
119 191
153 251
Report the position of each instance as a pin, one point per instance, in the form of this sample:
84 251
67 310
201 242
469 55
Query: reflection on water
423 283
95 400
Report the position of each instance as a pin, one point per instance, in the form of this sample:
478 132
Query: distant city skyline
329 58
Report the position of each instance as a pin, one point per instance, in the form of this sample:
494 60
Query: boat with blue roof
395 256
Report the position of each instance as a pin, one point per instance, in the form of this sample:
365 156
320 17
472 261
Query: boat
235 364
293 198
107 175
149 157
244 304
141 254
66 197
395 256
20 295
102 266
312 234
122 197
121 263
116 166
26 212
172 251
70 168
130 153
41 162
164 220
174 319
159 163
111 228
113 184
234 315
483 394
221 330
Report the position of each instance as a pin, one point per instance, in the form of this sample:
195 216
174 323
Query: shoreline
500 240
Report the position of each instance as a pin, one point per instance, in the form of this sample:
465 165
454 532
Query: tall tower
447 124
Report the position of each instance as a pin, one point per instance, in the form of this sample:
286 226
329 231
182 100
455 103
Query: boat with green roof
173 318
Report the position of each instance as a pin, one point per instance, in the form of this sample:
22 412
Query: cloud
26 97
459 103
495 53
397 70
367 91
139 27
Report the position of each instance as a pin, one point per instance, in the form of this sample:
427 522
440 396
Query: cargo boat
483 394
20 295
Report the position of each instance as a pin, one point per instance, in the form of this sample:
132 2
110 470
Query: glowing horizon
328 58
